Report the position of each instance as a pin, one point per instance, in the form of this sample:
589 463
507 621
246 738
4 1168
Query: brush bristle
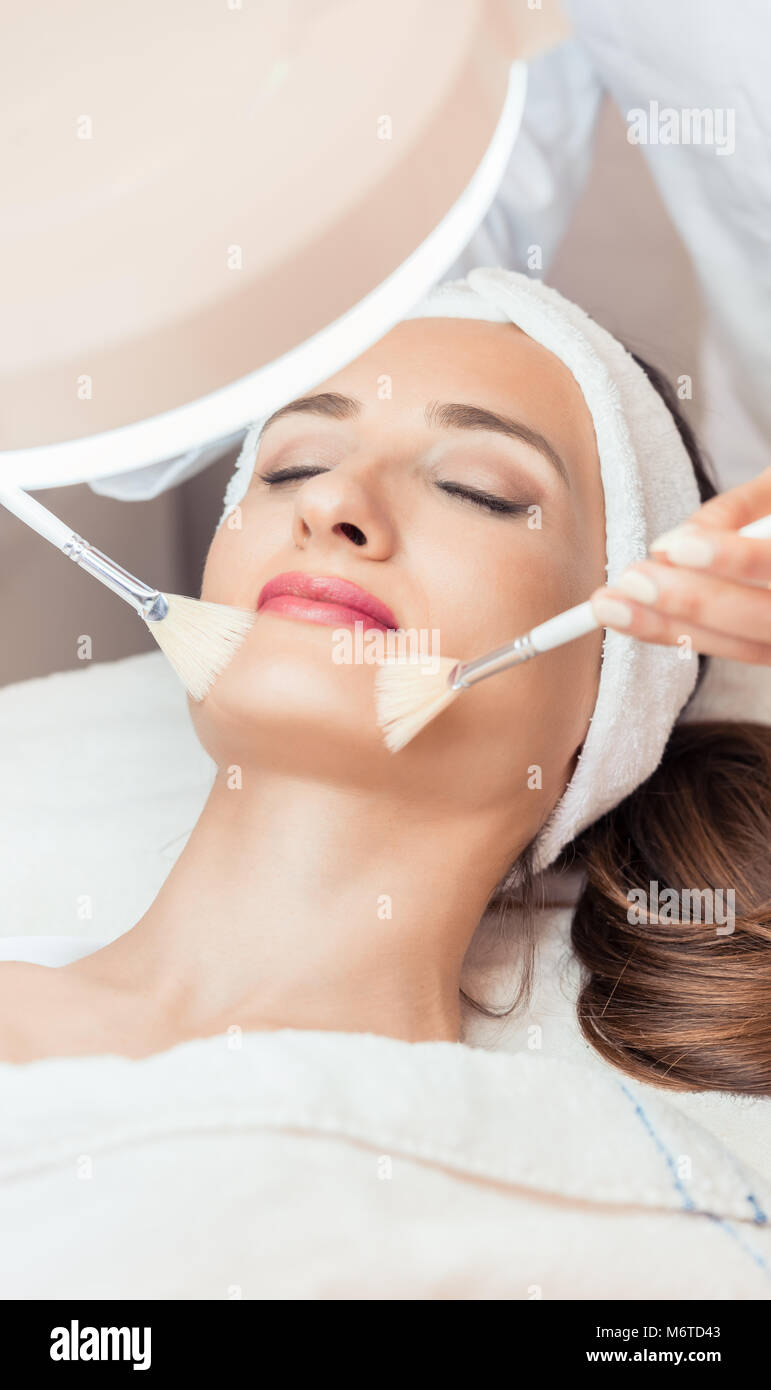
200 639
409 695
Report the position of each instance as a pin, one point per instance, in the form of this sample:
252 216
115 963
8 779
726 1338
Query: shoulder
37 1003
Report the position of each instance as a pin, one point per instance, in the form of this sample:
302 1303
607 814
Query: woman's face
451 473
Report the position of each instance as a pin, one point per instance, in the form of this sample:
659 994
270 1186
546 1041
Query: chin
283 704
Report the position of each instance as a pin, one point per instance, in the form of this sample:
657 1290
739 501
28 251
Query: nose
343 508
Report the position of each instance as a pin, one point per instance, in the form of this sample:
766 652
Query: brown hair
686 1003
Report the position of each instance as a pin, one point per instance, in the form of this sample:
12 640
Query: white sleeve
692 84
548 167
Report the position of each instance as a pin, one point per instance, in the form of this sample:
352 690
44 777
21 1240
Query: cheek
220 575
530 719
489 588
534 716
234 562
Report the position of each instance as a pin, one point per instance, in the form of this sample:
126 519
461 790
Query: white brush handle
149 603
35 515
555 632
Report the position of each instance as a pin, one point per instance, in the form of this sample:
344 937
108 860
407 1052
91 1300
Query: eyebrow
438 415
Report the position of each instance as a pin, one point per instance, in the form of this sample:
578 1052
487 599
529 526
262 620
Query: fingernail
686 548
638 585
611 612
661 542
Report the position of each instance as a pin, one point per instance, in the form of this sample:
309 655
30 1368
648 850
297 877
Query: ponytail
673 927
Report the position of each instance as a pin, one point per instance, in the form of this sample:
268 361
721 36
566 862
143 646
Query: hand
703 581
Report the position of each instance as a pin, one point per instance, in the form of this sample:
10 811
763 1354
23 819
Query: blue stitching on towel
760 1216
748 1250
688 1204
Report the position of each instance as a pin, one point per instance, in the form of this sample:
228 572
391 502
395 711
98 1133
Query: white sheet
318 1165
325 1165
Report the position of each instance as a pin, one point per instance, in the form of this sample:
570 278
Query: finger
731 510
746 559
647 625
698 599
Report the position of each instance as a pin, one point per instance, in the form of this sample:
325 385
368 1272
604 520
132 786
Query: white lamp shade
210 207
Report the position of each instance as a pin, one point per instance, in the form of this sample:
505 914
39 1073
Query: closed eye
291 475
488 500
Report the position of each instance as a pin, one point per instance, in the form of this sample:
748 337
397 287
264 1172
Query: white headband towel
649 486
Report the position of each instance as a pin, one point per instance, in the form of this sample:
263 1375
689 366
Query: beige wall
47 603
621 260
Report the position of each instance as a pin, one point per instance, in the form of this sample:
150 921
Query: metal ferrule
468 673
149 603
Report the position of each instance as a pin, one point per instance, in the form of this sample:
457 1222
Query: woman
447 480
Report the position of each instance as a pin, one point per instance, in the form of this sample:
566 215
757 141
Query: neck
302 905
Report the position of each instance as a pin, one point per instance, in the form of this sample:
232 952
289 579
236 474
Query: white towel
328 1165
325 1165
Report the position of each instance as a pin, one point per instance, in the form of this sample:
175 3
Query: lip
325 599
